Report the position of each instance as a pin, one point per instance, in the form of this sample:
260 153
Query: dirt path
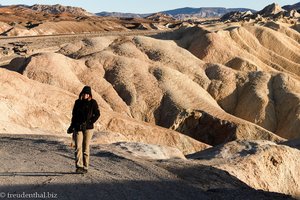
110 33
45 165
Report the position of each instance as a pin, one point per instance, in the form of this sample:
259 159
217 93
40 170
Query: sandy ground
45 165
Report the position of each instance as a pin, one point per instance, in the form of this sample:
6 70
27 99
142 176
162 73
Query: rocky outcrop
237 16
4 28
58 9
260 164
272 11
147 151
160 17
212 130
292 14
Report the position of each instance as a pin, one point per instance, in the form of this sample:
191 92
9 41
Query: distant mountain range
122 15
182 12
204 12
292 7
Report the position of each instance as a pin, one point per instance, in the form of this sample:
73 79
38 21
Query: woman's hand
70 130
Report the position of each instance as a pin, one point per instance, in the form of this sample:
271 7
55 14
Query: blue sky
138 6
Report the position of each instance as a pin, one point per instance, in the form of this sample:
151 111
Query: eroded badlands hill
215 86
261 164
163 97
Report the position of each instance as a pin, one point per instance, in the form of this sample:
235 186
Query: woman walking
85 113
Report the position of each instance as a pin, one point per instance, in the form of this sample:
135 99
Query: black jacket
85 111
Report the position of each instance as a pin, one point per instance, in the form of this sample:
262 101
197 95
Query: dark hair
86 90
